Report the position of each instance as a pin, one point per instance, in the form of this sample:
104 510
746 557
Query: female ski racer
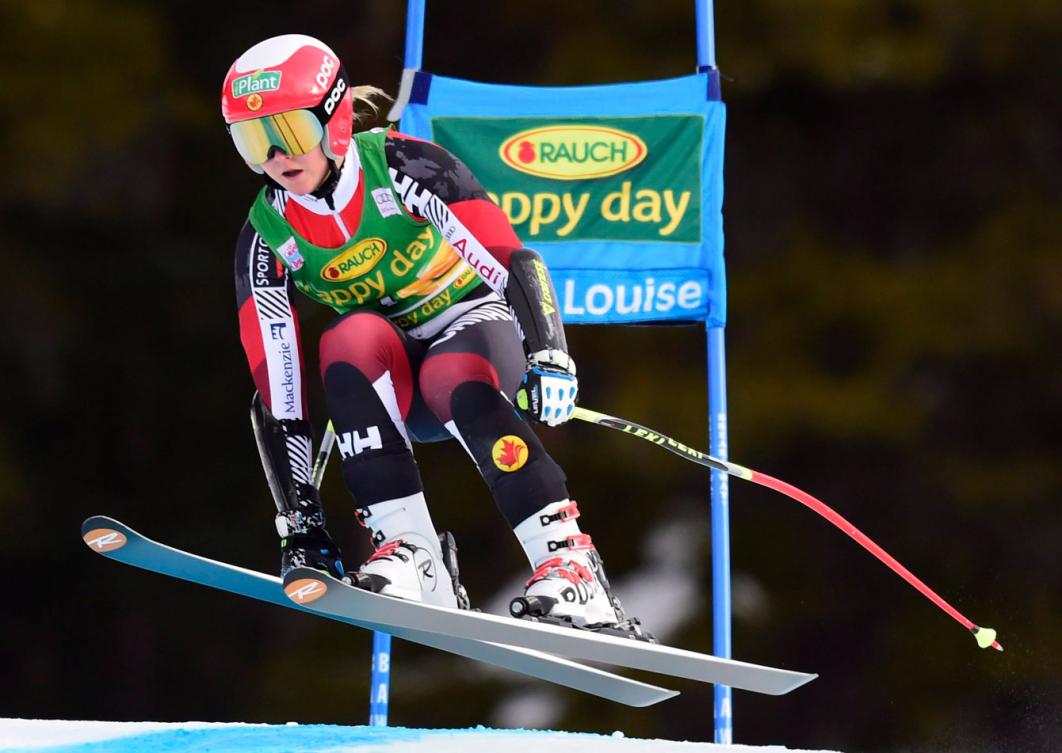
444 320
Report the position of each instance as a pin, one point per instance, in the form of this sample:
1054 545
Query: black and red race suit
387 388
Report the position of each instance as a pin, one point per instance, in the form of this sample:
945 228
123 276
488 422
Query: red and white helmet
289 92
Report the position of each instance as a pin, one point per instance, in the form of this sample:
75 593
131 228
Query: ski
328 596
118 541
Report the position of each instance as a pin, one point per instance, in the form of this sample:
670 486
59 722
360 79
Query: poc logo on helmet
327 66
337 93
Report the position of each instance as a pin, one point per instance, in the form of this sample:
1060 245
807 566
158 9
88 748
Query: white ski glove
549 389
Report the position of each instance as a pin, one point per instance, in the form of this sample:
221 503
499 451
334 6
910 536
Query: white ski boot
411 561
568 585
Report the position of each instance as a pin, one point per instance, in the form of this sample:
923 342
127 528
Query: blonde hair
366 95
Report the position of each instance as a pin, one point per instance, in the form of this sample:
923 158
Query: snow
55 736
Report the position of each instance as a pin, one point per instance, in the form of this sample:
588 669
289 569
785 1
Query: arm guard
532 298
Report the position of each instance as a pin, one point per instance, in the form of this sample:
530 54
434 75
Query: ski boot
307 546
411 561
569 586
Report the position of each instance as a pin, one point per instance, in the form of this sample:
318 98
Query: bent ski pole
984 636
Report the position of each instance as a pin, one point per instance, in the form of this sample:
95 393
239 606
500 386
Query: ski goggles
294 132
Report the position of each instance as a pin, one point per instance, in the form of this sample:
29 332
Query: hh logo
104 539
305 590
352 443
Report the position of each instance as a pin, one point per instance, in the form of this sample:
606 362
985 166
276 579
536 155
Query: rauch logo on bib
355 261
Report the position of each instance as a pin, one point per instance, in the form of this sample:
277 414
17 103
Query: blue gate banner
618 186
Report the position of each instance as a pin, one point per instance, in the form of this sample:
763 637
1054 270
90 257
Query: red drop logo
526 153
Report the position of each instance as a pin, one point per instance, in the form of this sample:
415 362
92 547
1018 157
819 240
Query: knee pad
520 473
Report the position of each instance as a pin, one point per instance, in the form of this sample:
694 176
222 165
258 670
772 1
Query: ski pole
323 453
984 636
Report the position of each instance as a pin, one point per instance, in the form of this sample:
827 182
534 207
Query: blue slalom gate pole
705 34
381 679
414 34
717 438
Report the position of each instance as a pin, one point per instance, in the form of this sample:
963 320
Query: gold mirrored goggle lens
295 132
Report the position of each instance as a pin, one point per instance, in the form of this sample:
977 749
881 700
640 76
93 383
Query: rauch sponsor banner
587 178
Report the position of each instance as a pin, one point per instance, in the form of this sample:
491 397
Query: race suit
439 306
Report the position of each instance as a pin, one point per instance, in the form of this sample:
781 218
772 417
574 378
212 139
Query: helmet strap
328 185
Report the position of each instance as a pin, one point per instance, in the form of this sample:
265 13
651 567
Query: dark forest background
893 174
